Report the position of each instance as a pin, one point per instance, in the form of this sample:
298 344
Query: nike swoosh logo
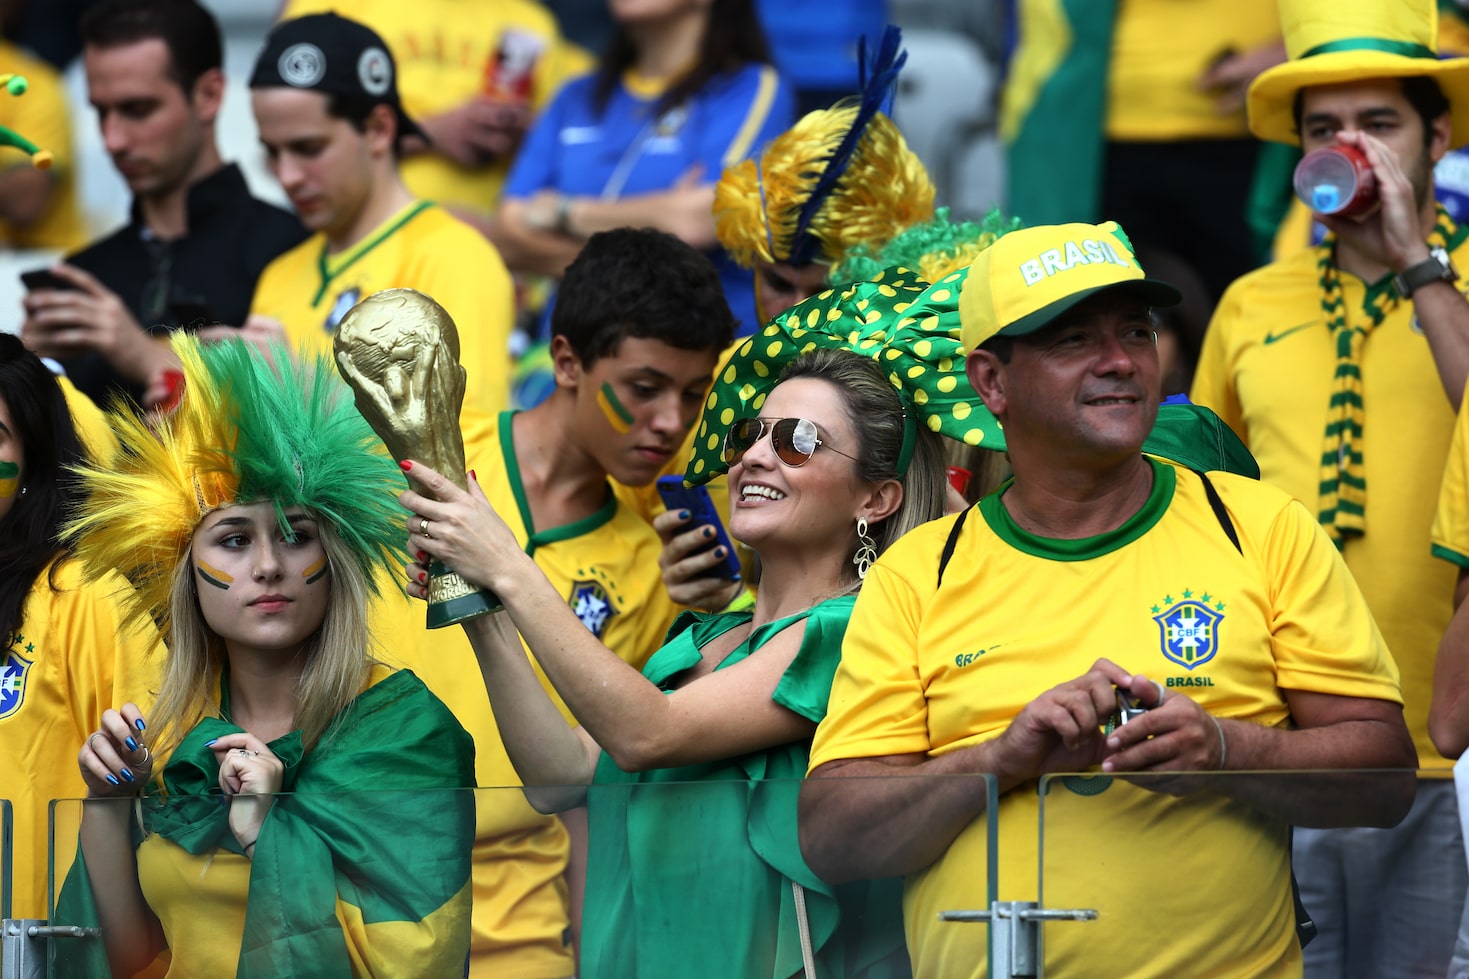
1273 337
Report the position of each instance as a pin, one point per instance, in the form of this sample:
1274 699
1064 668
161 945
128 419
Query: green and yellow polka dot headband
907 325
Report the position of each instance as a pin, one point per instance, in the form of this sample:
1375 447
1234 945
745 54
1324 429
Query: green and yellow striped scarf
1343 507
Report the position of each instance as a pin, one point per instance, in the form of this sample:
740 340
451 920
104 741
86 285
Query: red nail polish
473 476
405 465
423 555
423 576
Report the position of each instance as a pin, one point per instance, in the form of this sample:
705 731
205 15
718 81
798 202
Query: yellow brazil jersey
444 50
70 662
928 669
1266 368
43 116
1159 50
421 247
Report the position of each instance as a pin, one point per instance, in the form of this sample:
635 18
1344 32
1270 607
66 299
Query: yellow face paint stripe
9 479
617 414
313 573
215 577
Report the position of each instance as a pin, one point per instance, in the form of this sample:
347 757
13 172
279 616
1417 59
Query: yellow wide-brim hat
1332 41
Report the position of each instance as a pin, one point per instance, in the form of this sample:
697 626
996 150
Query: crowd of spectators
1066 501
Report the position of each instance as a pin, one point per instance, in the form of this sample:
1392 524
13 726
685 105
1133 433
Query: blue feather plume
878 83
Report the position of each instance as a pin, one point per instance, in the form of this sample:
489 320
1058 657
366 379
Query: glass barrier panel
1190 874
677 874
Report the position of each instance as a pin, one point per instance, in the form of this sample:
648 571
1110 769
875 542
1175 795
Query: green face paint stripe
314 573
9 470
614 409
9 479
214 576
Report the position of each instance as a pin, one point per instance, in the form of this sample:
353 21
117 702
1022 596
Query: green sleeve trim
1453 557
1084 548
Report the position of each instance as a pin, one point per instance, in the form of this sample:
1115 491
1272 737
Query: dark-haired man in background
325 95
196 241
1341 367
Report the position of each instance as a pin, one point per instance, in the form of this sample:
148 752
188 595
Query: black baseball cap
329 53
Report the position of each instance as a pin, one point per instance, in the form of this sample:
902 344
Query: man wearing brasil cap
998 642
1341 367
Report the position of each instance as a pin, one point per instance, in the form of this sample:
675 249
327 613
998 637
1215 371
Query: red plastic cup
1336 180
959 479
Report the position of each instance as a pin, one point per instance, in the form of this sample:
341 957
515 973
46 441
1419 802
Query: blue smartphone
695 499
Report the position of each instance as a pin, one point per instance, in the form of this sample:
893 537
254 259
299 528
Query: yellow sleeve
107 665
1214 377
1323 636
877 704
1450 534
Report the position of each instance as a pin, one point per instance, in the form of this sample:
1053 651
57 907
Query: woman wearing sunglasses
828 464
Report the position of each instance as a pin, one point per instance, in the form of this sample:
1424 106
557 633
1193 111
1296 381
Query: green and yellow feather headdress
249 427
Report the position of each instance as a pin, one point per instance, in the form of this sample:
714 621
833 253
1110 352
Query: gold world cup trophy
399 351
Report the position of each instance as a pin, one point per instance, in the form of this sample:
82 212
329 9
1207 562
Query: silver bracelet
1223 746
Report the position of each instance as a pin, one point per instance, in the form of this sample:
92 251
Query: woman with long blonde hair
287 805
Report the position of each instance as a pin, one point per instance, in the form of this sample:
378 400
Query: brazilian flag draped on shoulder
1054 108
362 864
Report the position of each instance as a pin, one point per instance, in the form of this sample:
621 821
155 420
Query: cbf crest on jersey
592 605
1189 628
14 670
341 308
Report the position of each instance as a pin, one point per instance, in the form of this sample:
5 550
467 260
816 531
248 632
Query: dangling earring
866 549
23 490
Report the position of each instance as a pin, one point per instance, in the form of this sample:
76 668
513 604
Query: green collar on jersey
1083 548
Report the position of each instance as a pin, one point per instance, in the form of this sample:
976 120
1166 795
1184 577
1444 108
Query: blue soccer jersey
626 149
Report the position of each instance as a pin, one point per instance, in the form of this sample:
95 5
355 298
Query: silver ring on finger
93 738
147 755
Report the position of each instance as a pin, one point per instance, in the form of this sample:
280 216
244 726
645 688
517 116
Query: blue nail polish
140 725
738 577
132 744
210 742
684 514
128 775
113 780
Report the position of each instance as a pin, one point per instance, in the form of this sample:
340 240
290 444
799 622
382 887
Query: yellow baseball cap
1029 277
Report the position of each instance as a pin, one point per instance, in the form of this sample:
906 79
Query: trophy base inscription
451 599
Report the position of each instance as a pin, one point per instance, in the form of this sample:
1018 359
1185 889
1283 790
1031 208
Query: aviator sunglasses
793 439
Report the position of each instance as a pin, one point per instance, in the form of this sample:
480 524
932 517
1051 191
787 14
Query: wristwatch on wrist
1433 268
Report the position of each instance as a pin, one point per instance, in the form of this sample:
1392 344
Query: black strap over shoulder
1217 505
951 543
